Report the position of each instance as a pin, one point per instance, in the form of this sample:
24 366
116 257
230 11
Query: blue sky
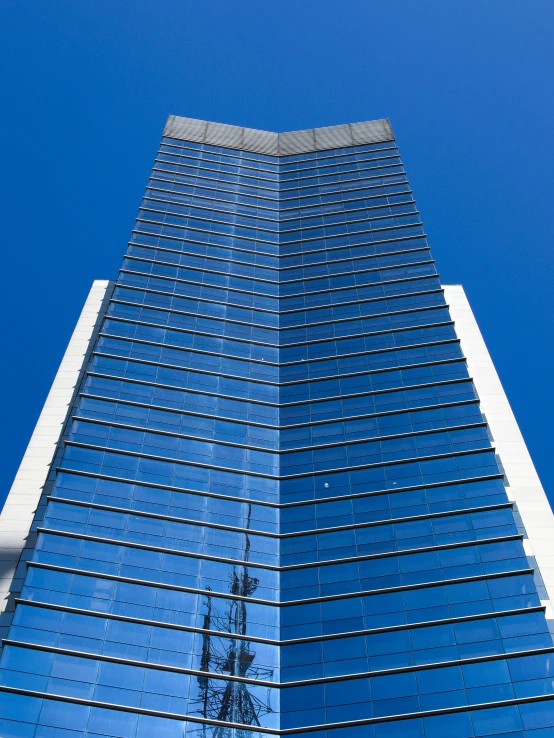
87 88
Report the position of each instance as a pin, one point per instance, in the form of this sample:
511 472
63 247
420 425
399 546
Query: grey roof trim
278 144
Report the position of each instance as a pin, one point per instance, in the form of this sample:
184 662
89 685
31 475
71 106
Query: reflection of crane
226 700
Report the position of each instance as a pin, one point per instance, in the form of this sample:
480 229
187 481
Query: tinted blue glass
277 506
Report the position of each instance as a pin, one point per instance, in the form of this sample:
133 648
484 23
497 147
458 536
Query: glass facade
278 509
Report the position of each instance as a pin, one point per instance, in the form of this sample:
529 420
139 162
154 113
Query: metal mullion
180 280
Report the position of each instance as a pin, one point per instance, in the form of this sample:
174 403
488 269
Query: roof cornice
278 144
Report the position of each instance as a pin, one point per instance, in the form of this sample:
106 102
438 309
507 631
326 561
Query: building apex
278 144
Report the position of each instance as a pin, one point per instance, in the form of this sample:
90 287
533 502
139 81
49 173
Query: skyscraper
277 487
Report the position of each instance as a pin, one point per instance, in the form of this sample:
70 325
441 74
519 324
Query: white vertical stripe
525 487
29 483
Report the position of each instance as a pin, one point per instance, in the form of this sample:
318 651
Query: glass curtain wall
279 507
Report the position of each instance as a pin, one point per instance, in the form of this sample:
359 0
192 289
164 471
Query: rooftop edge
278 144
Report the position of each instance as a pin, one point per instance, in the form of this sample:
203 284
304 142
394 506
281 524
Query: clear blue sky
468 87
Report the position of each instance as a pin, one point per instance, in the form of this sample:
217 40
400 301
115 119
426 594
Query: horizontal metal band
279 477
202 270
278 536
304 362
274 567
273 731
265 503
283 452
292 426
148 206
214 207
259 185
269 683
275 255
134 710
271 204
275 245
264 266
285 641
198 170
262 326
309 401
398 280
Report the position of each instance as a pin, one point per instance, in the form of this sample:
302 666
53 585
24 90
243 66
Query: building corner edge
25 502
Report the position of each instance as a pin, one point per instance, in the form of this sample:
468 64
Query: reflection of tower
230 701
